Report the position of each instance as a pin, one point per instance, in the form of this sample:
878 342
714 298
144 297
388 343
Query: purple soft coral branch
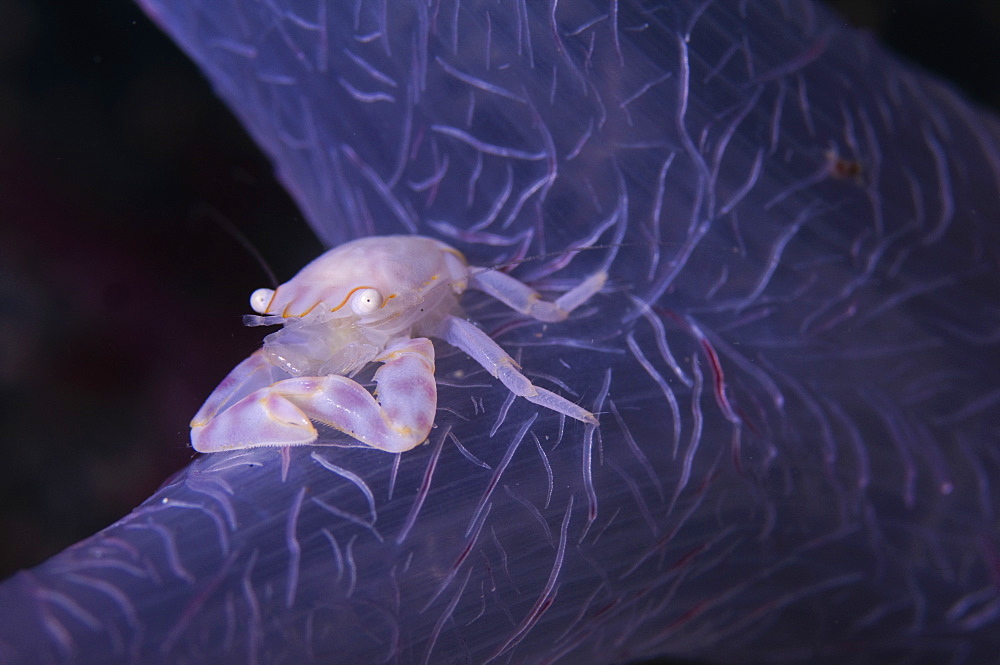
793 362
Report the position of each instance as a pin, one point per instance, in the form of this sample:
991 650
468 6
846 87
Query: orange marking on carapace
349 294
286 315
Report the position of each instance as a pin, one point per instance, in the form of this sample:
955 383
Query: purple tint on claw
794 361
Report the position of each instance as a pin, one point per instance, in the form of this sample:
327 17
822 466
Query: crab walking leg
519 296
280 414
486 352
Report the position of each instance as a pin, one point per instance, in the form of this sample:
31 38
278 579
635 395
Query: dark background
127 196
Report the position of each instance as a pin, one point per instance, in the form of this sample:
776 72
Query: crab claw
263 418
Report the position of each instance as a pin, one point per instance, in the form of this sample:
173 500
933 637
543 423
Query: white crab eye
366 301
260 299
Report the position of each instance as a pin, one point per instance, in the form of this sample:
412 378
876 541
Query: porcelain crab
375 299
